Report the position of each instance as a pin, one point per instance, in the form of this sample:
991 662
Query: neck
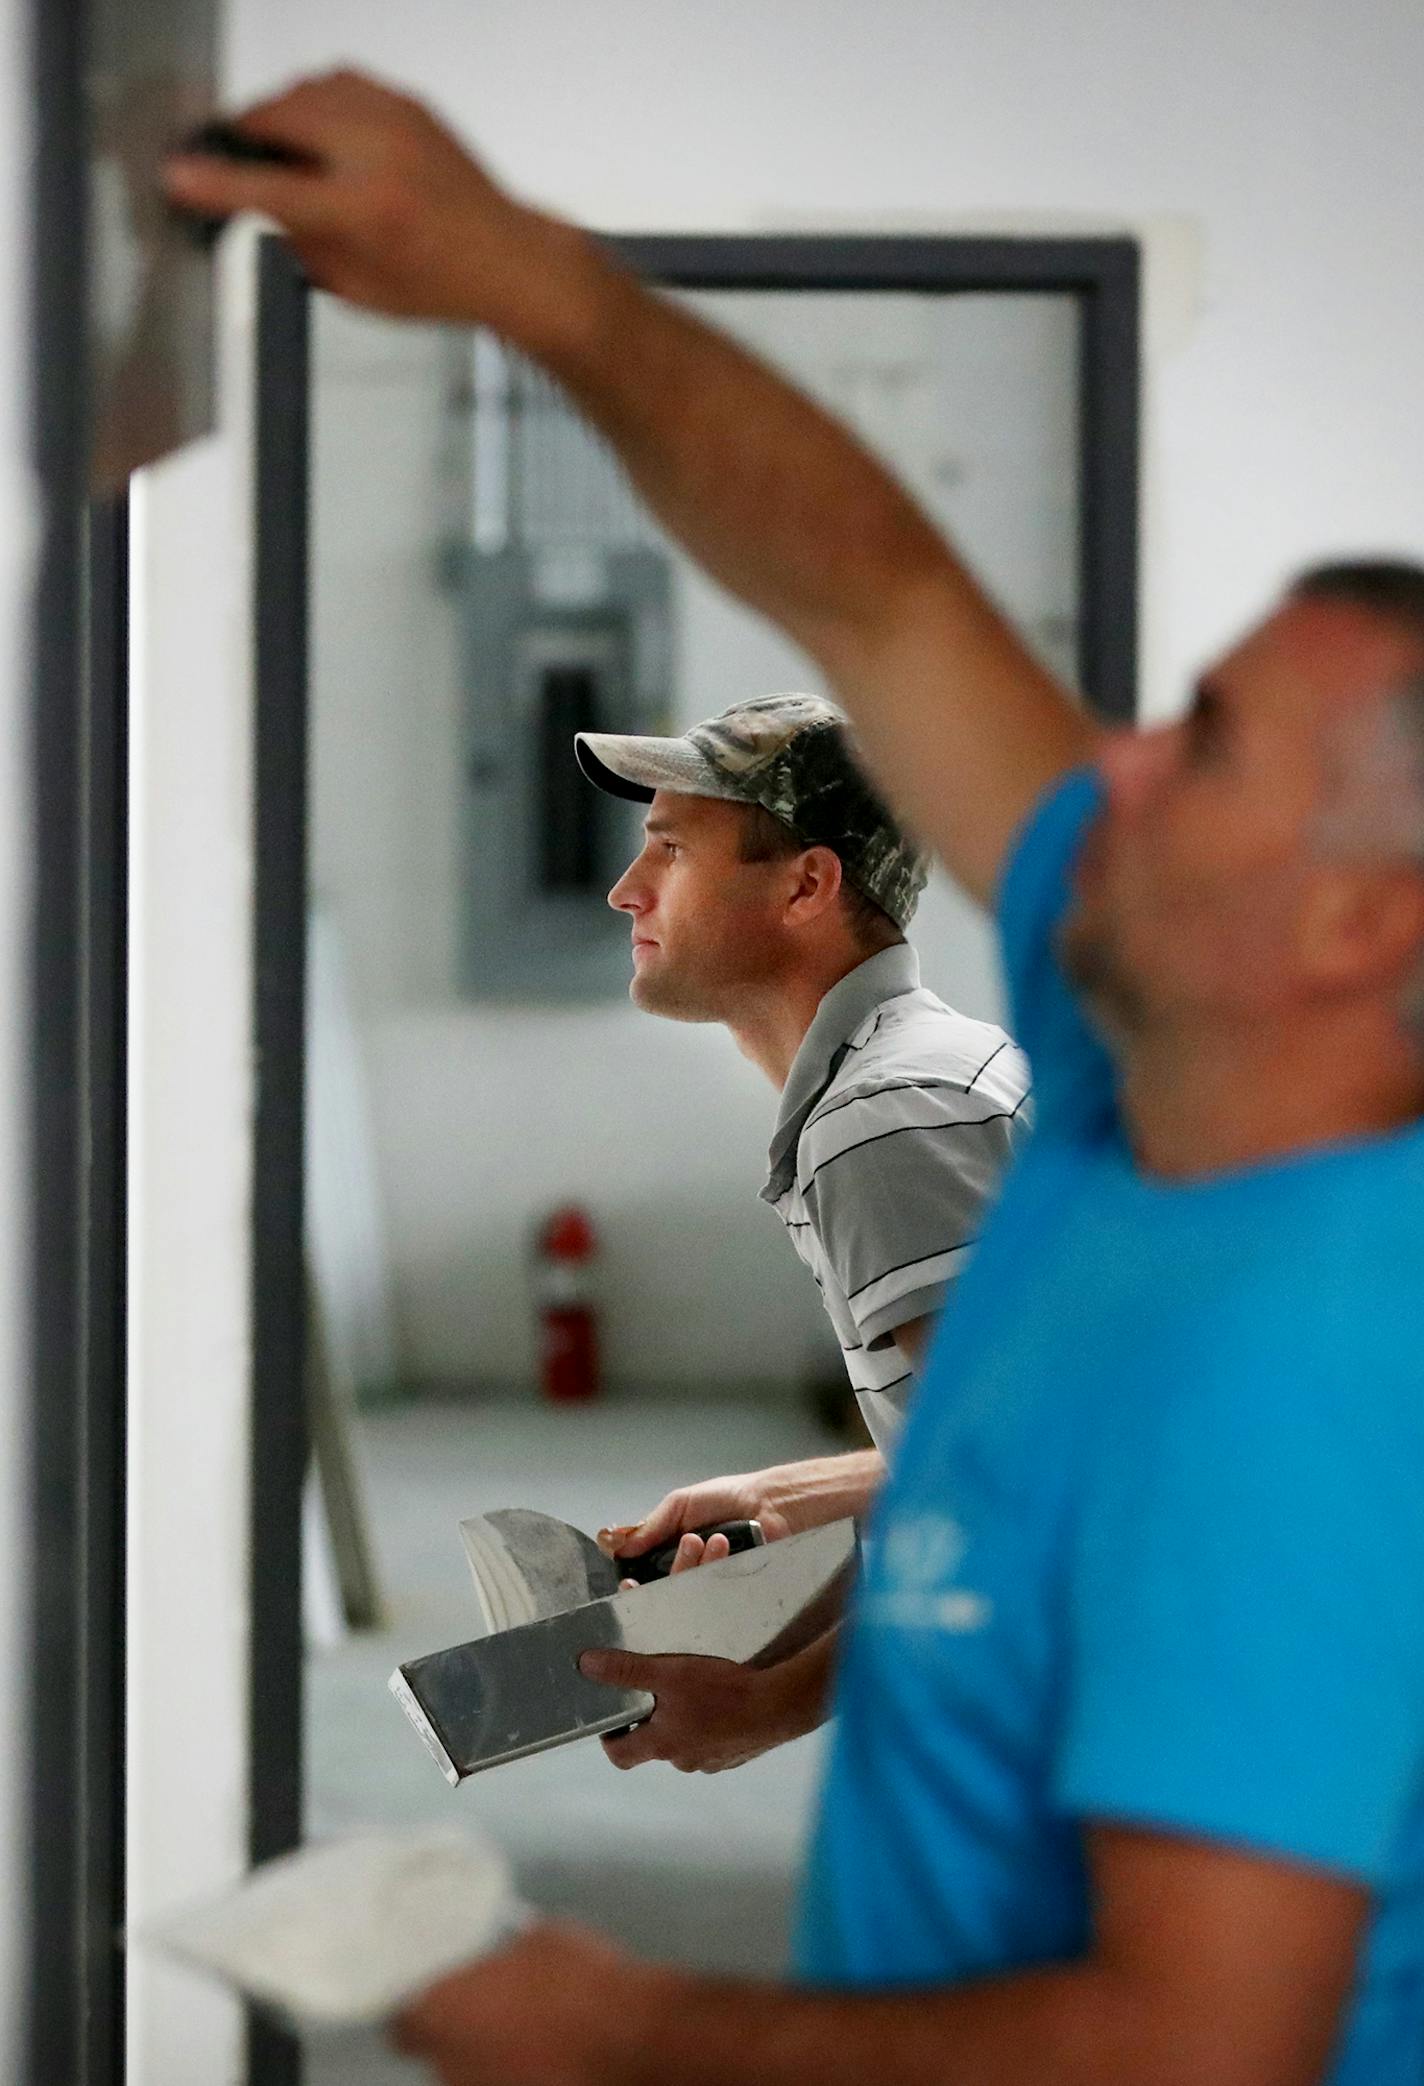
771 1026
1202 1103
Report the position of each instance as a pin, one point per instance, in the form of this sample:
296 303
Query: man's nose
1133 762
625 897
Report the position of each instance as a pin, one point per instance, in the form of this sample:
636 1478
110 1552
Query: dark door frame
1101 274
279 1437
78 748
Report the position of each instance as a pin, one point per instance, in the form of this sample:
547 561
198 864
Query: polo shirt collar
847 1007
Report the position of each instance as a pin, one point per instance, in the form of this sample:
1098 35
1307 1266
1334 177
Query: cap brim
636 768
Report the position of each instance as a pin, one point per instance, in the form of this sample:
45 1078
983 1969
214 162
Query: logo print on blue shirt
915 1588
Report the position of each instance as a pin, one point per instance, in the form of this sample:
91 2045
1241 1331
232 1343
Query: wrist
553 299
798 1694
783 1499
826 1488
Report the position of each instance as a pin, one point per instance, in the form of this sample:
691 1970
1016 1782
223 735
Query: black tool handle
741 1535
223 140
220 139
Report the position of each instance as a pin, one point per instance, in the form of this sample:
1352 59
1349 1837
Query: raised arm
961 724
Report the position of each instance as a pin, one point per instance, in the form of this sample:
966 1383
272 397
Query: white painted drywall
190 1102
17 543
1260 152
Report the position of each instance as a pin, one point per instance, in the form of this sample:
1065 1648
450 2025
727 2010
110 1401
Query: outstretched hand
384 206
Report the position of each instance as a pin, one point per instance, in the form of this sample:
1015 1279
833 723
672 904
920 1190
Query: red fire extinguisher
565 1249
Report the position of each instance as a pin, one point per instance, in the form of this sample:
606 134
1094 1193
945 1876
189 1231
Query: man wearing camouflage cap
772 895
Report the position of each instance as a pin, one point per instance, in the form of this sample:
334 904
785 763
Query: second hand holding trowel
549 1594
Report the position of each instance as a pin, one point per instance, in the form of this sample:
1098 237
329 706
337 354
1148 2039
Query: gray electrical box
565 596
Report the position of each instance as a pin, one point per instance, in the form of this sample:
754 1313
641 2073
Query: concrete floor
692 1868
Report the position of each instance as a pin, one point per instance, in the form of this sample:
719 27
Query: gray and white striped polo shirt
896 1124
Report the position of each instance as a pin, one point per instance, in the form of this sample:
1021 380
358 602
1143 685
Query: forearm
775 498
824 1488
1076 2026
804 1686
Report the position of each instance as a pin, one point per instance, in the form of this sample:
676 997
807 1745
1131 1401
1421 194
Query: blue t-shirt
1153 1550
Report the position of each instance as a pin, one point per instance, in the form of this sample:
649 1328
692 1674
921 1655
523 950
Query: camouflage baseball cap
793 755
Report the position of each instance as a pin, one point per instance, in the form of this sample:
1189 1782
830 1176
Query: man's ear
817 886
1364 927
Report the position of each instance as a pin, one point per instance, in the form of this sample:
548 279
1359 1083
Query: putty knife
519 1690
528 1565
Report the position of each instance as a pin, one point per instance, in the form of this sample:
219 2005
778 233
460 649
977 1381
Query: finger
410 2031
660 1526
326 114
614 1541
300 202
628 1586
715 1549
324 262
622 1669
423 2026
633 1748
689 1555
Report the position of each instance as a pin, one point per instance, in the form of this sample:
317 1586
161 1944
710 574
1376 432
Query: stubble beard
1109 990
671 997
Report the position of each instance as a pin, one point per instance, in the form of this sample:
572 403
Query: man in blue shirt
1128 1785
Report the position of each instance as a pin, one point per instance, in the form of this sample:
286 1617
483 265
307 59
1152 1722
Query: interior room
329 1102
430 1023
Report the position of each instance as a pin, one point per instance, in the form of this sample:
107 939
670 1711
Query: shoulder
914 1039
918 1064
1300 1382
926 1090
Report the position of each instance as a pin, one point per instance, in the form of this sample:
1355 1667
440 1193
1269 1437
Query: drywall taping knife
528 1565
519 1690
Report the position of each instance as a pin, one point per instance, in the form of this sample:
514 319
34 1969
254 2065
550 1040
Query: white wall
1259 153
1285 424
190 1116
17 526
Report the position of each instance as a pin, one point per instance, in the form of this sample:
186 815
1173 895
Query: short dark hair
1393 590
766 839
1390 588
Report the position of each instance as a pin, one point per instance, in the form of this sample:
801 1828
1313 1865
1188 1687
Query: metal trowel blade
528 1566
520 1691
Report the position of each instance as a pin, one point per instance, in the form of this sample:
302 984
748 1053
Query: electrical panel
565 597
543 846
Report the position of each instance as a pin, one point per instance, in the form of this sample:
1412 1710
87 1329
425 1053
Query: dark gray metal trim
72 1689
854 261
1102 274
280 1445
1108 464
103 1417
